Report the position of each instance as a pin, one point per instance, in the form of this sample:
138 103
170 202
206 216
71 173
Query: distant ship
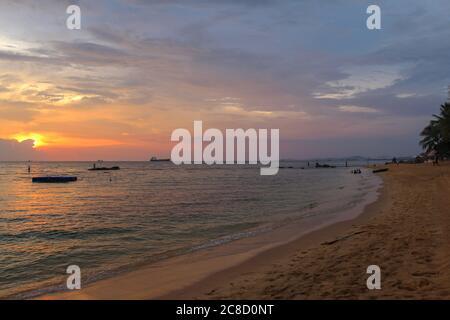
155 159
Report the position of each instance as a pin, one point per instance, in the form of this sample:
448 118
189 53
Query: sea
110 222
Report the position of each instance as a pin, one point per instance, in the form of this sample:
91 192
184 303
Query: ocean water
110 222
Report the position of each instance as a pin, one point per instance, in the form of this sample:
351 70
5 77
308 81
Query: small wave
64 234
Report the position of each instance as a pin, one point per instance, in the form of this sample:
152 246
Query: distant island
155 159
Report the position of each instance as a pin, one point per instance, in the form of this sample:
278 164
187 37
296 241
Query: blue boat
54 179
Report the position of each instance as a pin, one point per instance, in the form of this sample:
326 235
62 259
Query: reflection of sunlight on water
112 220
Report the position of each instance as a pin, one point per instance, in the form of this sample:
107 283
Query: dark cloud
12 150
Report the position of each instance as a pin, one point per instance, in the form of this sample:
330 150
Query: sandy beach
406 232
408 237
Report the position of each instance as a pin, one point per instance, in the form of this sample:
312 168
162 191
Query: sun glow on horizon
56 141
38 139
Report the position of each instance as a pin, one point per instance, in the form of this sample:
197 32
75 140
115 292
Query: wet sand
406 232
408 237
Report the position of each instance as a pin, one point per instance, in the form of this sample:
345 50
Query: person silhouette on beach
436 161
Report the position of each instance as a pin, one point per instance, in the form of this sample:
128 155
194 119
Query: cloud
361 79
406 95
88 53
13 150
357 109
203 3
13 56
292 64
17 111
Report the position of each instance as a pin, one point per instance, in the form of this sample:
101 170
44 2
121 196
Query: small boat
155 159
104 168
64 179
380 170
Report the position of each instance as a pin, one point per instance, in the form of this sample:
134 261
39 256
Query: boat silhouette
104 168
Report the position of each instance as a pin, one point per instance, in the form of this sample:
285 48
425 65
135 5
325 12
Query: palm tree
431 136
436 135
444 122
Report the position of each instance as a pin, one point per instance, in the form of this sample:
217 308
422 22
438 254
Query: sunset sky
137 70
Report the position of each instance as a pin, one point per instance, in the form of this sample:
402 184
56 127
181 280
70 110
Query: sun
38 139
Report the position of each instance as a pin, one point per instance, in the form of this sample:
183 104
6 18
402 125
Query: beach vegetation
436 135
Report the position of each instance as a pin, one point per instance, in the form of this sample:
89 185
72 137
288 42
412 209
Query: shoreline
406 233
188 275
265 260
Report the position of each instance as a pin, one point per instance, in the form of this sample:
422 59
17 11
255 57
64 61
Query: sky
137 70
